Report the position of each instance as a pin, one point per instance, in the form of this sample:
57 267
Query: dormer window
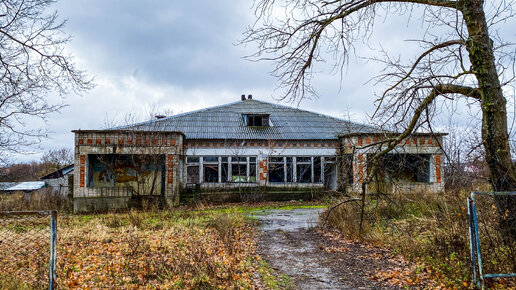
256 120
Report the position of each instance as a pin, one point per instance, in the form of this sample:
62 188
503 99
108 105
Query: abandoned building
248 146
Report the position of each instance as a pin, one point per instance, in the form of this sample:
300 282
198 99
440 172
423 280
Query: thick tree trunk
494 115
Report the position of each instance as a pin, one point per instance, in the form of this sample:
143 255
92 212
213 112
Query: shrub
426 227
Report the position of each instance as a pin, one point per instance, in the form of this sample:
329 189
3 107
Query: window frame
201 162
256 120
293 162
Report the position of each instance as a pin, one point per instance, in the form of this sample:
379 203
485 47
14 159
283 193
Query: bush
424 227
43 199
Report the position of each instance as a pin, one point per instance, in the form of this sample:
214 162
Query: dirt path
317 261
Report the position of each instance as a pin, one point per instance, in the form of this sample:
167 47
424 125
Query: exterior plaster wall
58 185
262 150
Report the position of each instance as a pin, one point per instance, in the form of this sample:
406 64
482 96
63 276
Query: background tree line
51 161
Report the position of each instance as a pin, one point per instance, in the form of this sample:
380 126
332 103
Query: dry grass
43 199
430 229
167 249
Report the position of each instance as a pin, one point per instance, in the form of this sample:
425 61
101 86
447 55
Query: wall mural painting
143 176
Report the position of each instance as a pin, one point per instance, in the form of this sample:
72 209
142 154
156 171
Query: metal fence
28 241
492 231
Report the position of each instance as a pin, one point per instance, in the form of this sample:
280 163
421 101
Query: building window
276 169
217 169
211 169
304 169
317 170
301 169
192 170
407 167
238 169
252 169
224 169
256 120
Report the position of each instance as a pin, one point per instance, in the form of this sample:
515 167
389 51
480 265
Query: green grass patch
270 279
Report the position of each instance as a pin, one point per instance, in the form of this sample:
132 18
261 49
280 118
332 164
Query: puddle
288 220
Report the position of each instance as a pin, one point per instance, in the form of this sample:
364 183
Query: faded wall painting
144 174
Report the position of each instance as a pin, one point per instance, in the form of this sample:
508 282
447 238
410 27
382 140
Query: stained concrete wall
362 145
99 142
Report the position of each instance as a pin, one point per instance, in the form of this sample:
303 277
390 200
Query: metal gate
488 224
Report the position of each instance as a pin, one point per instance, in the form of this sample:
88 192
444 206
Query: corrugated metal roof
226 122
26 186
6 185
59 173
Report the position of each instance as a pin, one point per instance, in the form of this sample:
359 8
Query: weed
425 227
135 218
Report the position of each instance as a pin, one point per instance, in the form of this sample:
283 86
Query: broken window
289 168
238 169
221 169
211 169
347 168
252 169
307 169
192 173
330 173
304 169
192 170
317 170
256 120
276 169
407 167
224 169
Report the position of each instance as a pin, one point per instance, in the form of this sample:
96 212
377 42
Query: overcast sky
178 56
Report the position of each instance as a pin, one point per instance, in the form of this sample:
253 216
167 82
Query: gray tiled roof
225 122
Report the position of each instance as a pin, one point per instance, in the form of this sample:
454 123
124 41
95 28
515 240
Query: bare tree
33 64
462 56
55 159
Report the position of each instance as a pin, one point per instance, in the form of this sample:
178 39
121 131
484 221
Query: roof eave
390 134
127 131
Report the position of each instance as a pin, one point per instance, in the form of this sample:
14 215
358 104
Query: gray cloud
181 56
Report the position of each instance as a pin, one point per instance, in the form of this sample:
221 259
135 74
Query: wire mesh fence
28 250
493 236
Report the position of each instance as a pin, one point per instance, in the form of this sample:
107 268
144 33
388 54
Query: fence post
472 241
53 250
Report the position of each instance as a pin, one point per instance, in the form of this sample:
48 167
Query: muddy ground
292 245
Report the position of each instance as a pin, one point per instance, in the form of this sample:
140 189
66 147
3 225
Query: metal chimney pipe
243 97
250 97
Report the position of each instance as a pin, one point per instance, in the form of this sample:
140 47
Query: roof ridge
221 121
312 112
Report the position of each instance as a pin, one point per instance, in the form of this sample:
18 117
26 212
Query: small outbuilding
61 180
